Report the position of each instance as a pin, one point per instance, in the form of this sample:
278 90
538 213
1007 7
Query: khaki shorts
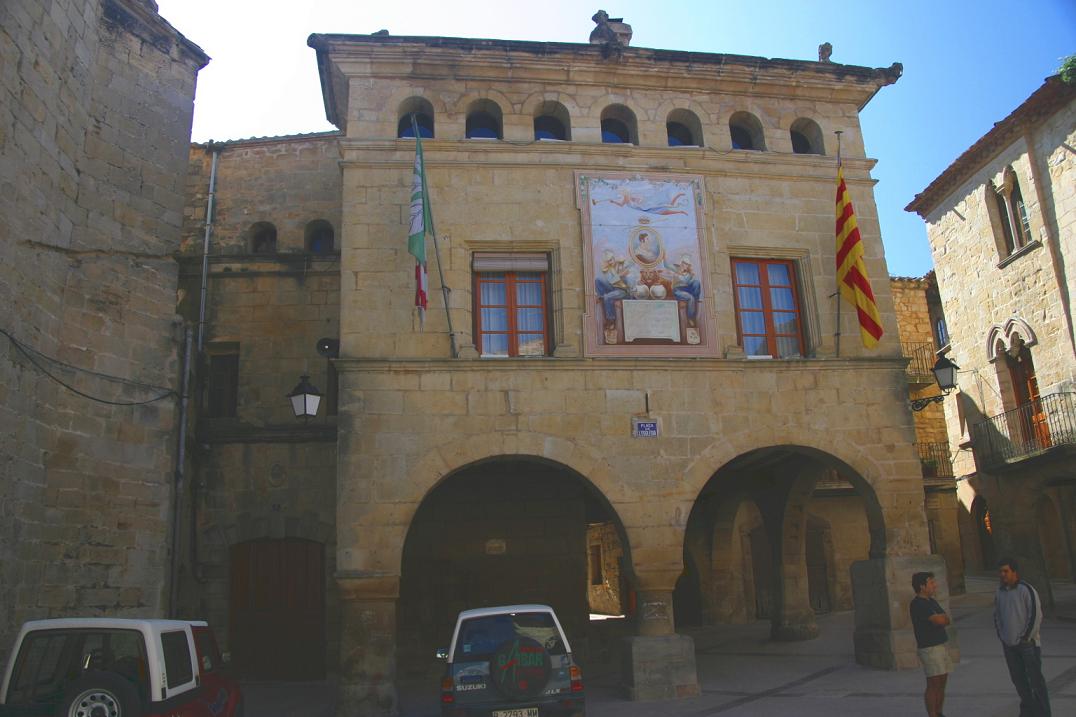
935 660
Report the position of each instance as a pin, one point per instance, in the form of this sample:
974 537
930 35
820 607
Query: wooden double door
277 609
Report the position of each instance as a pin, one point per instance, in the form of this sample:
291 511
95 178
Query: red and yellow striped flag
852 278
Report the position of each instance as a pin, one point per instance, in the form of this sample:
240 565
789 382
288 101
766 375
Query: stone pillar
882 590
367 685
793 617
658 664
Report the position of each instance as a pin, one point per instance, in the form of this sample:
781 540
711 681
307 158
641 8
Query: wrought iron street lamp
305 399
945 375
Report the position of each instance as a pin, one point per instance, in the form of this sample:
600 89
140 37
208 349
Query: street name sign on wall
644 428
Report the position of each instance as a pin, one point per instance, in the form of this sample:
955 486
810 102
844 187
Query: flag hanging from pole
852 278
420 223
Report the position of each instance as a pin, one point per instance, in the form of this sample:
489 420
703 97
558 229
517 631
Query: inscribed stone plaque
651 320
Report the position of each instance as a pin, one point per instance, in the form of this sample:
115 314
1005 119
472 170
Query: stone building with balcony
1001 221
922 337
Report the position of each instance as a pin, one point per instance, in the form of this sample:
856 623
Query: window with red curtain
767 307
511 305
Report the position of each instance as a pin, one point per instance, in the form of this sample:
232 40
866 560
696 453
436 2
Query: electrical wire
30 354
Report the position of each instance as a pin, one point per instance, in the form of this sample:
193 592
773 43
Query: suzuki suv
511 661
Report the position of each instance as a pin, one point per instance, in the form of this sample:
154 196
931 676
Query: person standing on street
1017 617
928 622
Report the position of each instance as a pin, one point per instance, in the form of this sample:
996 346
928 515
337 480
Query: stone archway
784 483
502 531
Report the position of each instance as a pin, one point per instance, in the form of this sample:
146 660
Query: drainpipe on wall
215 149
181 458
181 452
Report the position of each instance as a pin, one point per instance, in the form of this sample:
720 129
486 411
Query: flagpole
436 247
836 270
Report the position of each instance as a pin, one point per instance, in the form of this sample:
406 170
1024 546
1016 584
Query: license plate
520 712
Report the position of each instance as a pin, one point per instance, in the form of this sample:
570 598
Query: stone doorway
277 606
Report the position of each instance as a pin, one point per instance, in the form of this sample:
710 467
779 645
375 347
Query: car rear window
479 637
177 658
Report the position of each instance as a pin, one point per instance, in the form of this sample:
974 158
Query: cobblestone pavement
743 674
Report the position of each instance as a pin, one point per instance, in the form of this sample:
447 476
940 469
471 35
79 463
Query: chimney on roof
613 32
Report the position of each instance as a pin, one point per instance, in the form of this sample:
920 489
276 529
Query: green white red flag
421 222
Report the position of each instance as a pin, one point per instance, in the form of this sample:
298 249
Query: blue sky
966 64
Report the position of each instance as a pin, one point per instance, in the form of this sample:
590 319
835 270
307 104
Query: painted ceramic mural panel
646 283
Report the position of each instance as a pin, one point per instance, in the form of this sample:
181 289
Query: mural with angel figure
644 265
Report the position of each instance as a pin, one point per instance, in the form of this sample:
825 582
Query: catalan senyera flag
421 221
852 278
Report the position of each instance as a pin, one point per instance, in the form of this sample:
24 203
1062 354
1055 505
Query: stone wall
94 125
286 181
262 473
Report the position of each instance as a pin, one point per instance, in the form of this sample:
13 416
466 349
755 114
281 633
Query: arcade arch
762 541
507 530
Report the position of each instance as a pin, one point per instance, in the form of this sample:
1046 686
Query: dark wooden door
278 609
1026 387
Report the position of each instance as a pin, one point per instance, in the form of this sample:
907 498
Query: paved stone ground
743 674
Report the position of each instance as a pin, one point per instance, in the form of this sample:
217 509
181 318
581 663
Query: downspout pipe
215 149
184 401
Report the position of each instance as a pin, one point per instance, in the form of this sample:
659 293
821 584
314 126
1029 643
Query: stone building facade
663 411
260 552
1000 222
94 128
921 338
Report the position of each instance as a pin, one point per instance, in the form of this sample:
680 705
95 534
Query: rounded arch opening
807 137
262 238
552 122
515 529
683 129
319 237
484 120
768 514
619 126
746 132
422 110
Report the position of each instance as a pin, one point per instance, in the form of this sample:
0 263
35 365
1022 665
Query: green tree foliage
1068 70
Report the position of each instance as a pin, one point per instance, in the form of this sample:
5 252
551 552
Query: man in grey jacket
1017 617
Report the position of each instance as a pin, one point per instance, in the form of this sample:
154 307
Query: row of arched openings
618 126
318 237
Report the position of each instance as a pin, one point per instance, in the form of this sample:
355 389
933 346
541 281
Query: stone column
882 590
658 664
367 685
793 617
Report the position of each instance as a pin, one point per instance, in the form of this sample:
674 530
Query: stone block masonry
94 120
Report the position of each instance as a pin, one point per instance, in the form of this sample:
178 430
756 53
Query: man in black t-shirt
929 621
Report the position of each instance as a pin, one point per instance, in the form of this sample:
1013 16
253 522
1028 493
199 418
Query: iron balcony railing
1025 431
920 361
934 458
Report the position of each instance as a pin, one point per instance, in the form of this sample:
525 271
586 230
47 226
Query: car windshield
479 637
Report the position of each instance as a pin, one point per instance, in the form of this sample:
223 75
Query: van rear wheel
100 694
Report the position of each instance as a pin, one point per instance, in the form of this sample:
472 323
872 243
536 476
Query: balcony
920 361
935 461
1031 430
